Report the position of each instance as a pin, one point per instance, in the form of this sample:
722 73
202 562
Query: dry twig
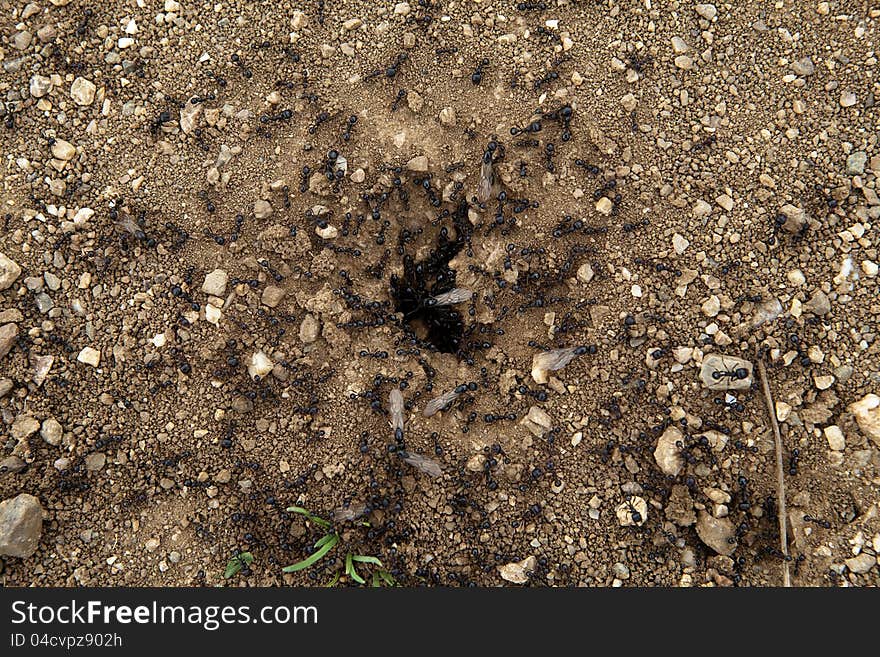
780 477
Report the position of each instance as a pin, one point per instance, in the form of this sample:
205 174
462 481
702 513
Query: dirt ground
248 210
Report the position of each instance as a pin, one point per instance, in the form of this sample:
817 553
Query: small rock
272 296
9 272
679 45
539 416
215 283
328 232
63 150
419 163
707 11
803 67
260 365
89 356
12 464
8 335
795 218
819 304
21 525
835 438
262 209
309 329
447 117
667 453
24 427
847 99
352 24
717 533
714 367
855 163
633 512
518 571
22 40
867 414
679 243
604 206
95 461
40 85
684 62
82 91
51 431
862 563
620 570
358 175
585 273
6 386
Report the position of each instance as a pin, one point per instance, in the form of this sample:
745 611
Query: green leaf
333 581
357 578
386 576
318 520
348 566
324 539
376 581
314 558
362 559
236 563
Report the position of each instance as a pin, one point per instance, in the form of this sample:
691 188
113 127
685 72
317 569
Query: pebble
867 414
684 62
624 512
95 461
21 525
447 117
9 272
847 99
40 85
6 385
517 572
51 431
862 563
272 296
22 40
309 329
328 232
12 464
667 453
358 176
8 336
24 427
795 218
585 273
803 67
819 303
82 91
855 163
721 363
215 283
89 356
352 24
716 533
835 438
260 365
63 150
679 45
604 206
707 11
419 163
620 570
262 209
679 243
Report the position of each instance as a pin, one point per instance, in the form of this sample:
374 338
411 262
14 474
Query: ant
734 375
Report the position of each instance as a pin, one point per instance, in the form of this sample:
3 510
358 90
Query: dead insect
350 512
395 408
421 463
454 296
442 401
487 178
556 359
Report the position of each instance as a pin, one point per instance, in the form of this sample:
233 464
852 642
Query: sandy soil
662 182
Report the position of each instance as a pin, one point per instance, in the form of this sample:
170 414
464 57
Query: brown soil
693 123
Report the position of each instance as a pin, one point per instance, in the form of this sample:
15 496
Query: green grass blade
348 566
357 578
314 558
362 559
324 539
376 581
235 564
333 581
389 580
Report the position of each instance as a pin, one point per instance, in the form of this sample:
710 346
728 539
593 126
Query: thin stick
780 477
